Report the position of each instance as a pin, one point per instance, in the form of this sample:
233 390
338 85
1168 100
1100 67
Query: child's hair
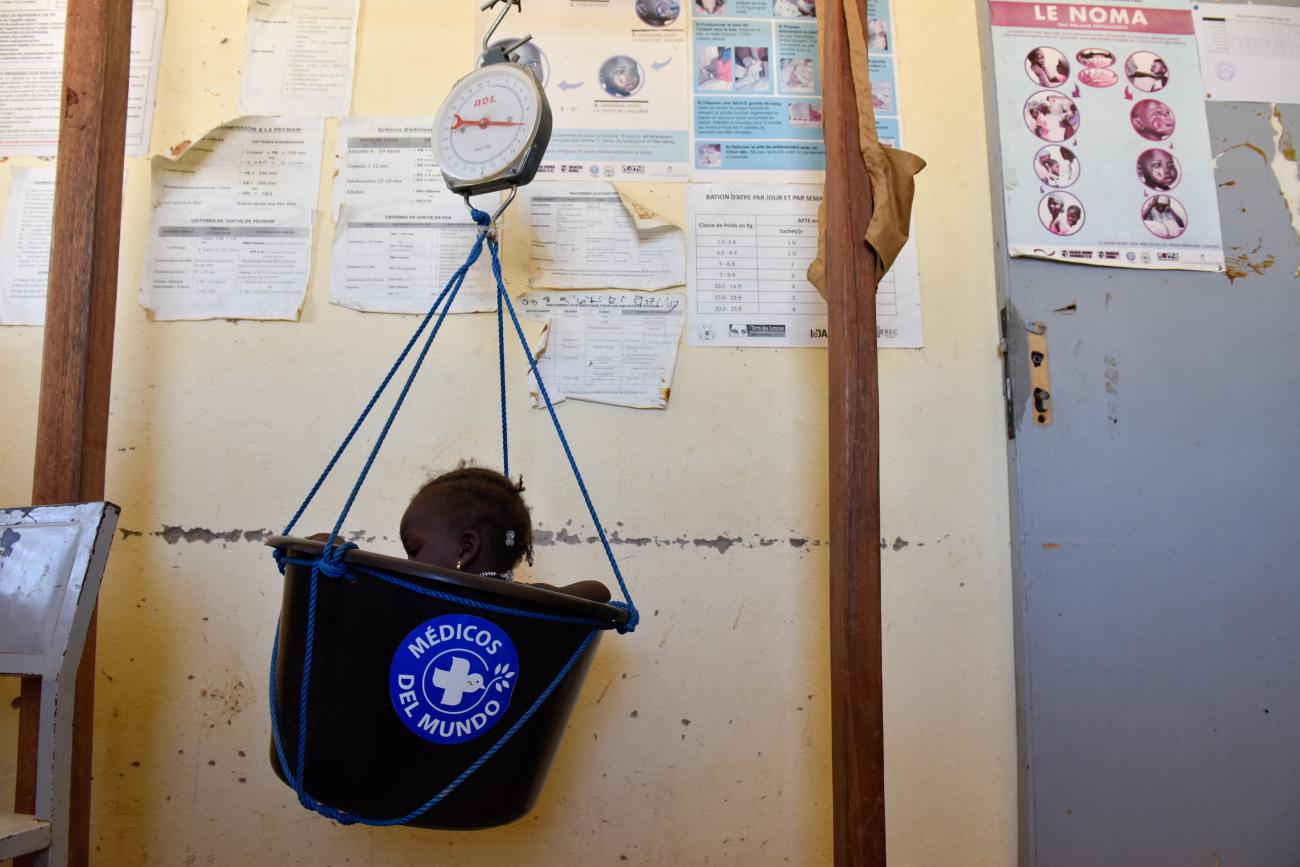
483 499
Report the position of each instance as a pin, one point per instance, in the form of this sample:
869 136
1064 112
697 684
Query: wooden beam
76 367
857 723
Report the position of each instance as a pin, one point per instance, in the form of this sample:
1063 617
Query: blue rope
634 617
452 287
344 818
482 219
501 353
331 562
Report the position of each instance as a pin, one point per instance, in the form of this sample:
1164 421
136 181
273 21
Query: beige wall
221 426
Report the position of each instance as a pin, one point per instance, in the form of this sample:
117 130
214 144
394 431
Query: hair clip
510 538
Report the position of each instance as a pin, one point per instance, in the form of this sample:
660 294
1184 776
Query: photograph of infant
1061 213
1047 67
658 13
1164 216
805 114
722 67
794 8
1056 166
714 68
530 56
877 34
1158 170
1152 119
1147 71
621 76
798 75
882 96
1052 116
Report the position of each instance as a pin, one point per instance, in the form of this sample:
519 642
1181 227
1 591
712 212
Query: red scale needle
483 123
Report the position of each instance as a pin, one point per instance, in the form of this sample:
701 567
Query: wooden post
857 724
72 426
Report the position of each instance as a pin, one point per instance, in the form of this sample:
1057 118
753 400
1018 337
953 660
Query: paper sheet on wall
385 160
614 72
299 57
606 347
404 233
399 260
757 91
25 246
584 236
747 281
231 232
1249 53
31 71
1105 148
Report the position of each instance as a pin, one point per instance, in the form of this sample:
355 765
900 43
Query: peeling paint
1240 265
172 535
8 539
899 543
1245 144
542 538
719 543
1284 167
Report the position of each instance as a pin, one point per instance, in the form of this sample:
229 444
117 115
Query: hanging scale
491 132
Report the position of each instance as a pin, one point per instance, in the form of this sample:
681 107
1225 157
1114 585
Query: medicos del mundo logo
452 678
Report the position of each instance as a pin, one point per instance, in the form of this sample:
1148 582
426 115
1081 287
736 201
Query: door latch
1040 375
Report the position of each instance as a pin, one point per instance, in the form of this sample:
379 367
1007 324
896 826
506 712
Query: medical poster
747 271
585 236
231 232
399 233
747 280
756 91
25 246
609 347
614 72
1249 52
1105 150
31 69
299 57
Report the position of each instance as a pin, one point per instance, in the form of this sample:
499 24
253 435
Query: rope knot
634 617
331 562
279 559
483 218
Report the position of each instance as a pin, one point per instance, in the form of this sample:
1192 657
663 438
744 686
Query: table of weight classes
756 264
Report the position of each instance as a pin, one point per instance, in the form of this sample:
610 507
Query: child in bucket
473 519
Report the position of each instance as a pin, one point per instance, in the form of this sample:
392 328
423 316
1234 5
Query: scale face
492 129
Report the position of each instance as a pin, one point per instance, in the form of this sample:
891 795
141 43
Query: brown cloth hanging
891 171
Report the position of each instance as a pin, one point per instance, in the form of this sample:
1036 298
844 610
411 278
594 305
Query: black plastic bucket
408 690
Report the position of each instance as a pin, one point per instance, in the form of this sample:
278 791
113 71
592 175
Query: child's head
471 518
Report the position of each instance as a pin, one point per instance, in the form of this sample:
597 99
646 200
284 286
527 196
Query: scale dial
492 130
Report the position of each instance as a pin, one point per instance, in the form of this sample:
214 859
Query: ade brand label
452 678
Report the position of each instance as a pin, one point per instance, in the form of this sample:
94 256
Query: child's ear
468 546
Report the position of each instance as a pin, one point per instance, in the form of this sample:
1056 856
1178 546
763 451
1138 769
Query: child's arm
593 590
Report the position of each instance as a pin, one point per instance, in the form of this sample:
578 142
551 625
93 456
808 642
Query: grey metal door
1157 542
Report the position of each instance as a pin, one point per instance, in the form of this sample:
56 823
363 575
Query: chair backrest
52 560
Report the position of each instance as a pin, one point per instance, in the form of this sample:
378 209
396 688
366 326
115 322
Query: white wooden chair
52 559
